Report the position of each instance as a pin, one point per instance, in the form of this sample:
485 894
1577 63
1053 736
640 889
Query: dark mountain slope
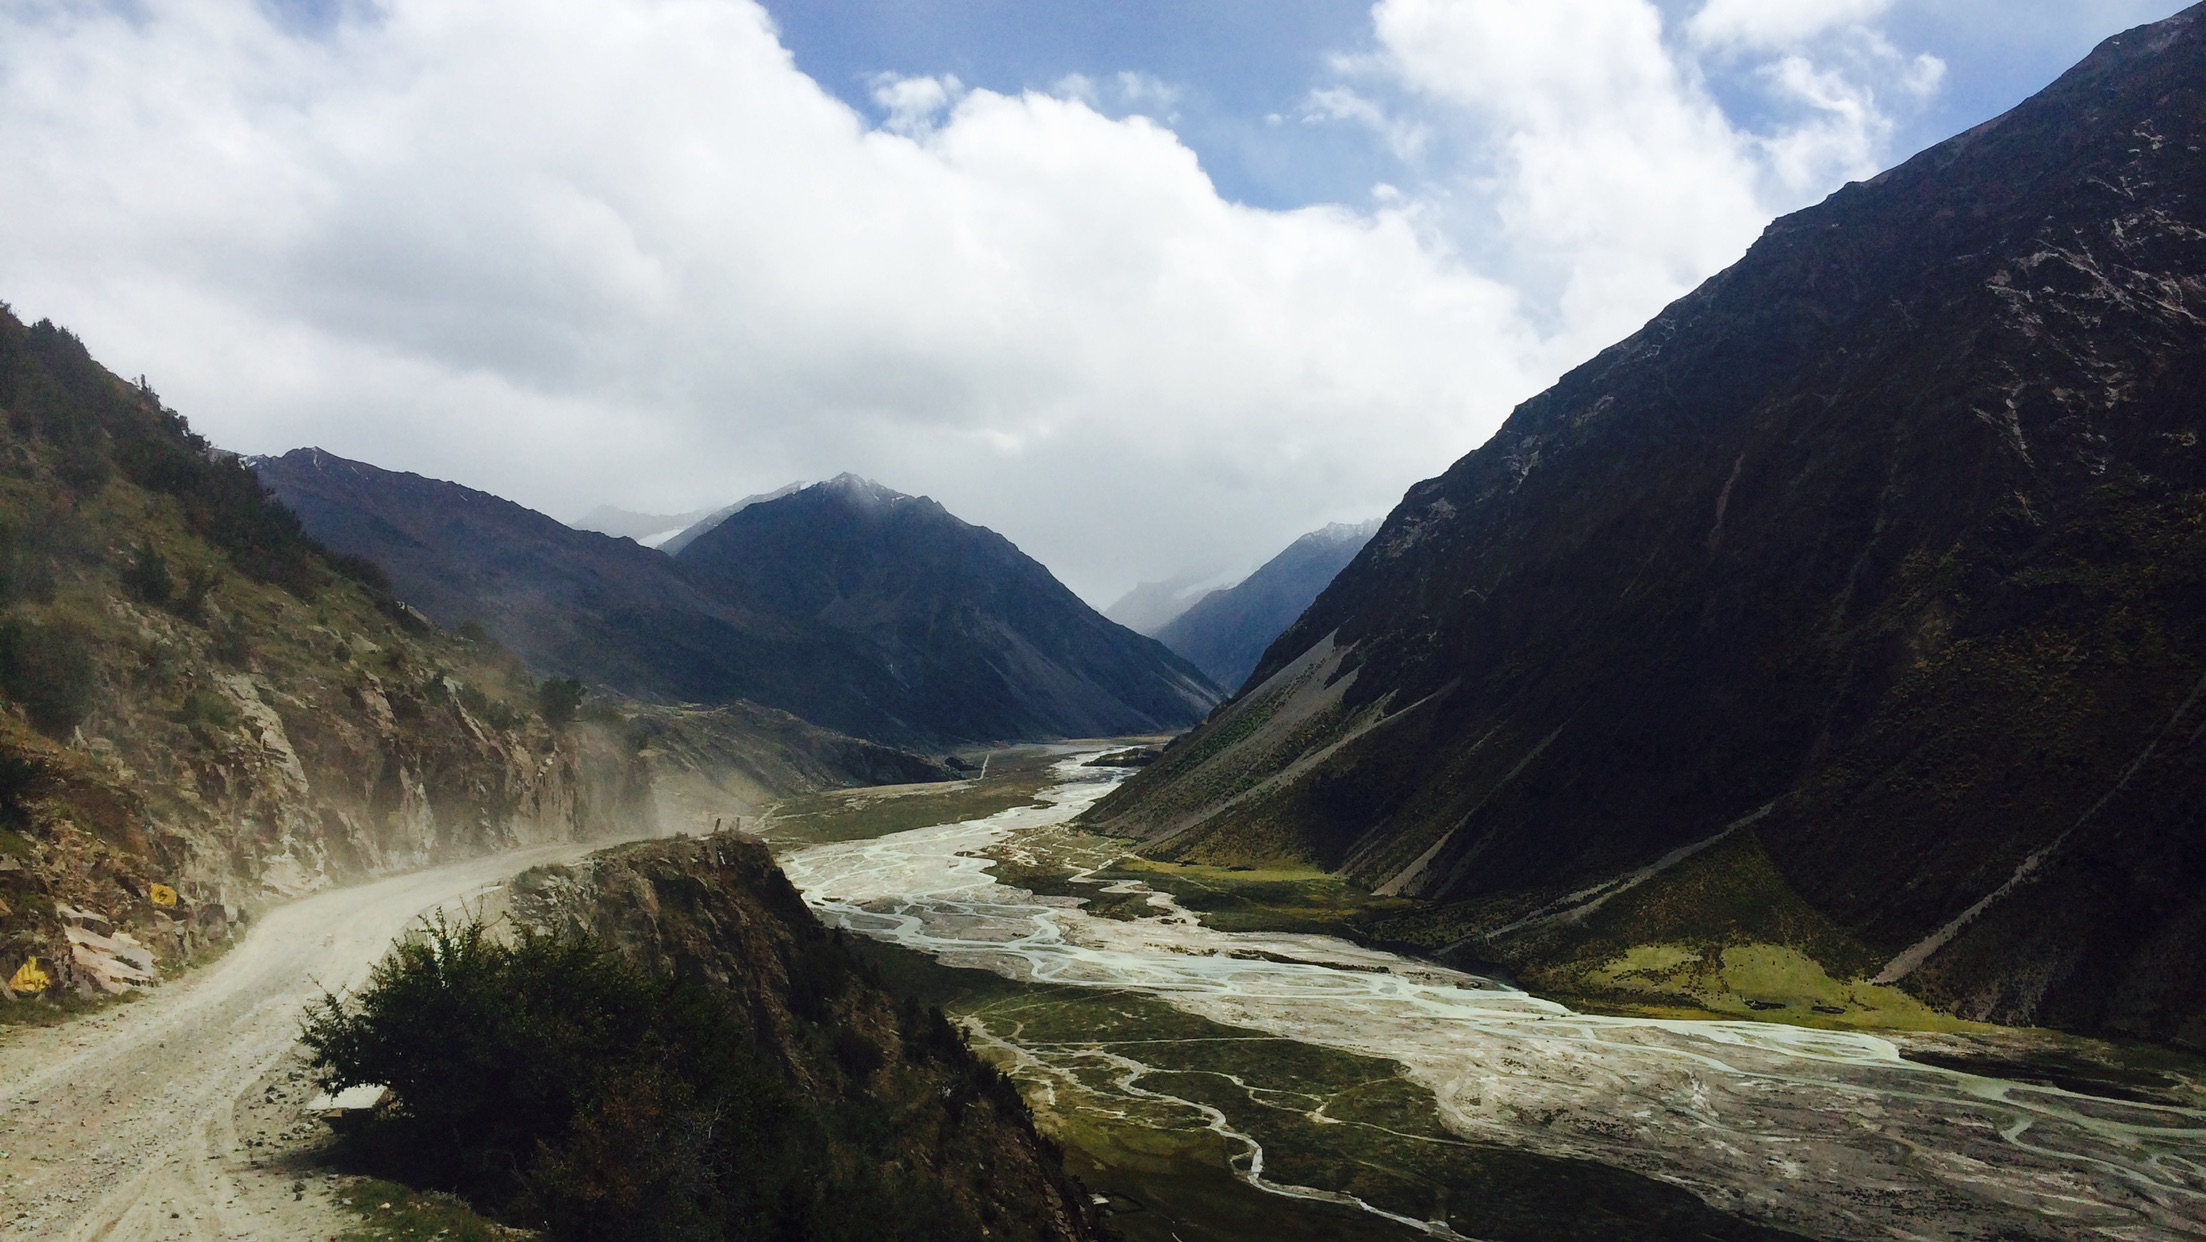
1893 535
567 601
976 638
706 521
713 630
1226 632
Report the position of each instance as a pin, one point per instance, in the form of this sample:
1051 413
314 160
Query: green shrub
230 645
199 583
147 576
26 564
555 1085
547 1080
48 669
558 699
203 710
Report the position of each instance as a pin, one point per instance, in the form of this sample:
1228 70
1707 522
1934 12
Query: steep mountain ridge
997 650
978 637
1883 548
705 522
566 601
1227 631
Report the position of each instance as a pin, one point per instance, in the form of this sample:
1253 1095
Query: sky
1151 288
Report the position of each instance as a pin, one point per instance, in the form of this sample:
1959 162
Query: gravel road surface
179 1115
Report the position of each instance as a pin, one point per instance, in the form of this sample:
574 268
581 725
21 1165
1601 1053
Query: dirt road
171 1117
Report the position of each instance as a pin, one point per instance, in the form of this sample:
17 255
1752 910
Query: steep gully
1830 1133
145 1121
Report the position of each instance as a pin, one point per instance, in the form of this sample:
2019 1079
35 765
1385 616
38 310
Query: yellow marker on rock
161 895
29 980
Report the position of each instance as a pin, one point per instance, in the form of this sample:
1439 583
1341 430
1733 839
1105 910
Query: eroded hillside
205 710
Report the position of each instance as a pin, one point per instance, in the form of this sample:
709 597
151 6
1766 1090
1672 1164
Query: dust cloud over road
149 1120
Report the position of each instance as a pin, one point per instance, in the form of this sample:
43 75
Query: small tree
49 670
147 577
558 699
199 583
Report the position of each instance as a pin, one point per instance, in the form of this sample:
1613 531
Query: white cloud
1607 179
914 104
1777 24
1405 138
1611 183
622 250
571 251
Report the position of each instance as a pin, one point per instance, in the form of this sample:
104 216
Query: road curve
148 1120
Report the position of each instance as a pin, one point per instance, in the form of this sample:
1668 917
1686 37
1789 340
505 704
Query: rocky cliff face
719 913
1883 548
201 710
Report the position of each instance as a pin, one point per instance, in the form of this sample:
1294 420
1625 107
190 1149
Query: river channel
1829 1134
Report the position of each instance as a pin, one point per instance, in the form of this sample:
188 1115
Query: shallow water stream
1828 1133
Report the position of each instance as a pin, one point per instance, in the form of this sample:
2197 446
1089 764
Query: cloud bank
583 251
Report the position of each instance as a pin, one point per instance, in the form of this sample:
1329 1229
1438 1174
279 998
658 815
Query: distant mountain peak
671 544
838 601
1227 631
862 491
1344 532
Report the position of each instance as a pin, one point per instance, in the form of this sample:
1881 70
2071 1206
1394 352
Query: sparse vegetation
390 1212
558 699
47 668
1014 778
555 1085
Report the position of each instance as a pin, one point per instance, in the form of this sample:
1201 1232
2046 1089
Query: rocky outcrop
717 912
1884 543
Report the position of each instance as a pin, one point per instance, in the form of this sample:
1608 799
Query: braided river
1826 1133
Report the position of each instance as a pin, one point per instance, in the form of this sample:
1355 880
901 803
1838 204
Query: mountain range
1854 608
852 606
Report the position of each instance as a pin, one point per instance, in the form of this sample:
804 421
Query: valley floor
1277 1083
181 1115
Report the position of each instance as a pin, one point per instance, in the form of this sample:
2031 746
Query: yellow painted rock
28 979
161 895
